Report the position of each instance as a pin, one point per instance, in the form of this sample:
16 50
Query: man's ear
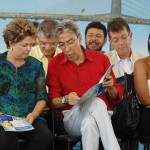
80 38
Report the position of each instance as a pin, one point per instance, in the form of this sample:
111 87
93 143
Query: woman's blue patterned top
21 88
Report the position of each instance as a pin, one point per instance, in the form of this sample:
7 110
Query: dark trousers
40 138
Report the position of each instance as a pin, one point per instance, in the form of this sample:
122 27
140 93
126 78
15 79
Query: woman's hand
39 107
31 117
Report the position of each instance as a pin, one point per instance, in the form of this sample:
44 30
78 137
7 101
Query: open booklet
94 91
13 123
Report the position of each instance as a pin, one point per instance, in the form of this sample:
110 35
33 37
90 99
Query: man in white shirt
120 38
123 56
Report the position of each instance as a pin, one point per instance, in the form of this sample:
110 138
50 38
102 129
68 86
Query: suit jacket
113 59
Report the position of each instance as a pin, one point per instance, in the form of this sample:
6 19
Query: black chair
134 141
65 142
61 139
21 145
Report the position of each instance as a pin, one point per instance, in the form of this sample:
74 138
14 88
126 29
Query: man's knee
88 122
98 103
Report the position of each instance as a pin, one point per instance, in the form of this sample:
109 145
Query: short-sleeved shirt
21 88
65 76
36 52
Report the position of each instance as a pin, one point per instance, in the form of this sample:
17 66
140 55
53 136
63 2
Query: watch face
64 101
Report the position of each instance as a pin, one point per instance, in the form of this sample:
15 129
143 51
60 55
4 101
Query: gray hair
48 28
67 26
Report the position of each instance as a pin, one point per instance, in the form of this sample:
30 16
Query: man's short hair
68 25
97 25
48 28
116 25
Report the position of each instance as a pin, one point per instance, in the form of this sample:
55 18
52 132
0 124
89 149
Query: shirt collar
88 56
118 58
41 55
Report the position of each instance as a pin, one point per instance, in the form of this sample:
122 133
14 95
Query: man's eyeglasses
123 38
45 44
70 43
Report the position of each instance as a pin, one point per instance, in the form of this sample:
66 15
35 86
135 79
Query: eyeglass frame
70 44
123 37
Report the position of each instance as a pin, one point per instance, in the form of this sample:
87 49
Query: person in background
120 38
47 43
95 36
142 87
46 48
22 87
35 23
67 78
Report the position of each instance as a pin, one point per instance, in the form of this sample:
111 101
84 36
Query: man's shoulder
97 56
59 57
137 55
110 53
36 52
95 53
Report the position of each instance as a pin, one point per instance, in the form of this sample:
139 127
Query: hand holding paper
96 90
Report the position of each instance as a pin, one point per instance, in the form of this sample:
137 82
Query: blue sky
140 32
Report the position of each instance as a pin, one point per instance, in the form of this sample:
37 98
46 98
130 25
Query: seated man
70 74
47 43
123 56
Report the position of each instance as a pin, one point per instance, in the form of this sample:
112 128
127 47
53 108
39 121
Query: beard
96 49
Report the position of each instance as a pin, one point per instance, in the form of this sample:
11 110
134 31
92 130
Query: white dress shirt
124 65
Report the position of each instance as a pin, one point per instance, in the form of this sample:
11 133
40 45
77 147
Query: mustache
93 42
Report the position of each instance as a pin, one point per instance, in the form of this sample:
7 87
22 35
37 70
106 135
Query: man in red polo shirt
70 75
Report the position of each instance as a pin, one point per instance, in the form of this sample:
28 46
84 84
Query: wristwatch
64 100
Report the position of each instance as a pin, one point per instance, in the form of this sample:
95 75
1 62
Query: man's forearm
57 102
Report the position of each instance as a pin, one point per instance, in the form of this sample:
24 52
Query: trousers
40 138
91 121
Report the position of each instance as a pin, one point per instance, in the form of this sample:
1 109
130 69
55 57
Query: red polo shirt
64 76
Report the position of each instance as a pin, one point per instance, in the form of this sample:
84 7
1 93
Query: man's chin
94 48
